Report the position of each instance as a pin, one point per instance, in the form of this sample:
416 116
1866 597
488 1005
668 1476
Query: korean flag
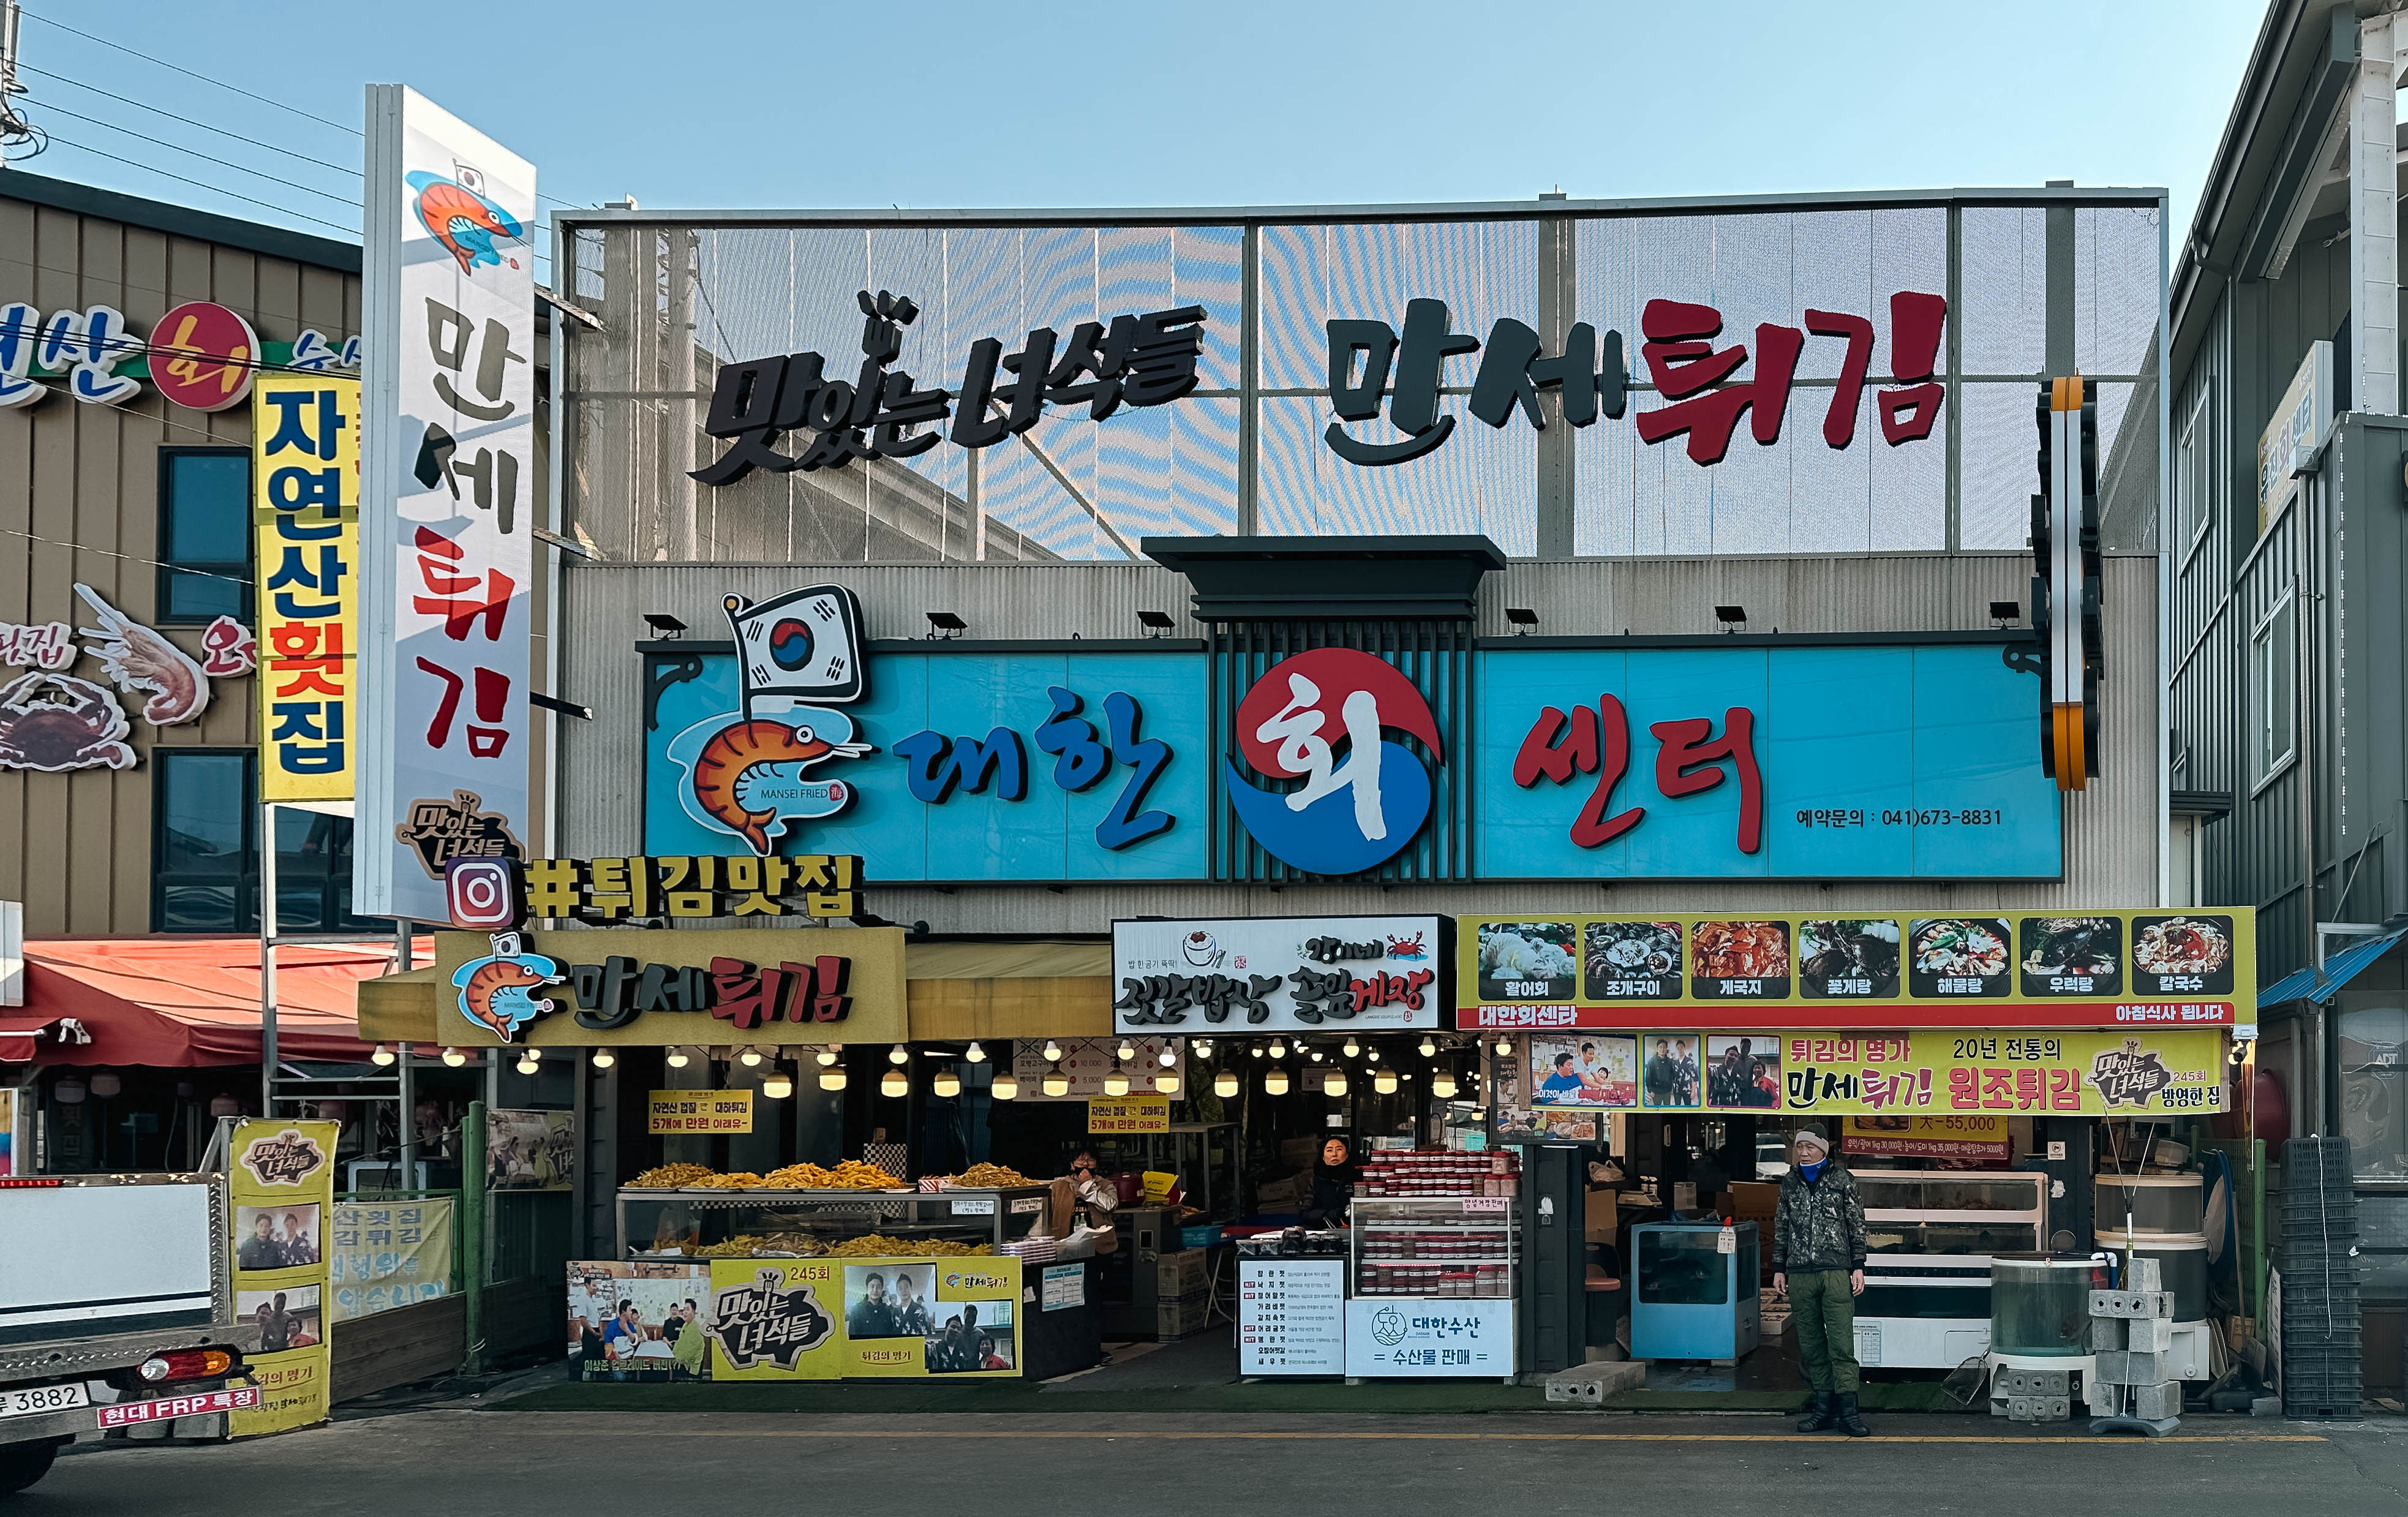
805 643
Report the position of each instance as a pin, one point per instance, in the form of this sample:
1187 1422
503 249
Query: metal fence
677 293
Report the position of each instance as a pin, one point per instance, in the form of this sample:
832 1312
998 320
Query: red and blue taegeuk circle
790 644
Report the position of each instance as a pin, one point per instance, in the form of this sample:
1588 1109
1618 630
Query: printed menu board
1292 1317
2068 970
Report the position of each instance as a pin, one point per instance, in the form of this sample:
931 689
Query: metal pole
267 959
473 1251
405 958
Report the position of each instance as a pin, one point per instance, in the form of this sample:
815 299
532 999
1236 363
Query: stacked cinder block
2321 1327
2130 1332
2033 1395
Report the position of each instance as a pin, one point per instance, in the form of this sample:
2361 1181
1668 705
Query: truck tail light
187 1364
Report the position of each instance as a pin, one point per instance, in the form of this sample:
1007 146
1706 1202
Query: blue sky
945 103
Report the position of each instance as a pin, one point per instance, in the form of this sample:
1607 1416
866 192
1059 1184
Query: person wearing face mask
1818 1258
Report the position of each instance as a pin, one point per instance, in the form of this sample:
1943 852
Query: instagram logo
482 893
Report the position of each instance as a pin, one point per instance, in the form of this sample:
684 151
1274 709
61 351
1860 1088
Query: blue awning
2339 970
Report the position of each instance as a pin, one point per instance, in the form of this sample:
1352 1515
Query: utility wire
269 204
126 100
130 558
189 74
195 152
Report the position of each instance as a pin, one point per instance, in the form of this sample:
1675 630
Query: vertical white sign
1291 1316
447 505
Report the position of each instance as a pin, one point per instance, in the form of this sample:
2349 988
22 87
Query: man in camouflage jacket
1818 1258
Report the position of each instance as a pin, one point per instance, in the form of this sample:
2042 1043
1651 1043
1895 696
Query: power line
195 152
124 100
189 74
130 558
197 184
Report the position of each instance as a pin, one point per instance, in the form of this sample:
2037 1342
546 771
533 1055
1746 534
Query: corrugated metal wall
2113 830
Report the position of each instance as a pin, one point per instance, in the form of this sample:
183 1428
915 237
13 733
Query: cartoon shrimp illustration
138 658
465 222
719 770
497 993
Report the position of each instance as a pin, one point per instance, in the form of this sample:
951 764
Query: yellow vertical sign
306 509
282 1191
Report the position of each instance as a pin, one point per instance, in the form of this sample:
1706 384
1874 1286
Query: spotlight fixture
1057 1084
1225 1085
2005 613
1523 619
677 1058
1352 1047
383 1056
1428 1047
945 624
975 1055
1334 1083
948 1083
832 1079
899 1055
1053 1051
1732 617
664 623
828 1056
1384 1083
1157 624
1167 1084
894 1083
604 1058
454 1058
777 1086
1005 1086
1275 1084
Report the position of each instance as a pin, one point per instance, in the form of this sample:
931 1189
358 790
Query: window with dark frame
204 851
204 534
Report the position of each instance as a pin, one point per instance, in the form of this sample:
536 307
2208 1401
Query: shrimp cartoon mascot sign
801 656
497 991
1352 813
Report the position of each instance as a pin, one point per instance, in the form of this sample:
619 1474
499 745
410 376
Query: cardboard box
1753 1200
1605 1216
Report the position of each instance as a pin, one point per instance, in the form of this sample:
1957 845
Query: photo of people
276 1236
888 1300
1588 1069
529 1150
1669 1079
639 1321
1743 1071
968 1336
286 1318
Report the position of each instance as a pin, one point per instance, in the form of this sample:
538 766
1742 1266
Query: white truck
117 1310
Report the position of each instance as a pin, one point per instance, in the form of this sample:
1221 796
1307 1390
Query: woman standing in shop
1818 1258
1333 1186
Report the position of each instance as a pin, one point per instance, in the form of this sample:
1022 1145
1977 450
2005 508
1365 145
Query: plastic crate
1199 1237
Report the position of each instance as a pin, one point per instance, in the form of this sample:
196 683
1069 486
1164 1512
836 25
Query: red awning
177 1003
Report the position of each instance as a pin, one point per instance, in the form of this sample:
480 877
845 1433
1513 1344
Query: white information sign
449 505
1278 974
1429 1336
1292 1317
1065 1286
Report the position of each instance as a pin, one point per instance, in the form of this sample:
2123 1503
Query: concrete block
2119 1304
2141 1274
2039 1409
2105 1399
2154 1403
1590 1384
2011 1381
2148 1335
2129 1367
2106 1335
1999 1406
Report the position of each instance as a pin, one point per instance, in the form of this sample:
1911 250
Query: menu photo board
880 1317
2070 970
1292 1317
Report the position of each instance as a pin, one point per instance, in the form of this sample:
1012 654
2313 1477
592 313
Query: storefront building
2285 452
1117 682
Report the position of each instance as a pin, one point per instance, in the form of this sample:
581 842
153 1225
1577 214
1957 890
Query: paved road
467 1464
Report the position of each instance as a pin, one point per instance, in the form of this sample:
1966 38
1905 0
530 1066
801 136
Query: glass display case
1430 1246
742 1222
1948 1211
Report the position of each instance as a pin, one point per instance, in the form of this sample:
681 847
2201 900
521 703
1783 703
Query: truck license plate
42 1398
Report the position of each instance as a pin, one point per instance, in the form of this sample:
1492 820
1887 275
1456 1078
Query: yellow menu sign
700 1111
306 510
1128 1113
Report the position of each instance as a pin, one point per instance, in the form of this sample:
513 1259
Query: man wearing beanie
1818 1257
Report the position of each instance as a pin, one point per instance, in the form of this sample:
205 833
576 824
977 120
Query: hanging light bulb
1005 1086
1334 1083
1429 1045
454 1058
676 1059
948 1083
895 1083
1124 1053
1384 1083
1167 1057
1407 1074
828 1056
1442 1084
1257 1051
1203 1047
1371 1056
1225 1085
1279 1049
1316 1055
751 1058
604 1058
1167 1084
1352 1047
1057 1084
1504 1046
832 1079
383 1056
1117 1084
1053 1051
899 1055
778 1086
976 1054
1275 1084
529 1062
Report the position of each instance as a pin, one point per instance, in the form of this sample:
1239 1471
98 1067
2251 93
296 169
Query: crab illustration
55 722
